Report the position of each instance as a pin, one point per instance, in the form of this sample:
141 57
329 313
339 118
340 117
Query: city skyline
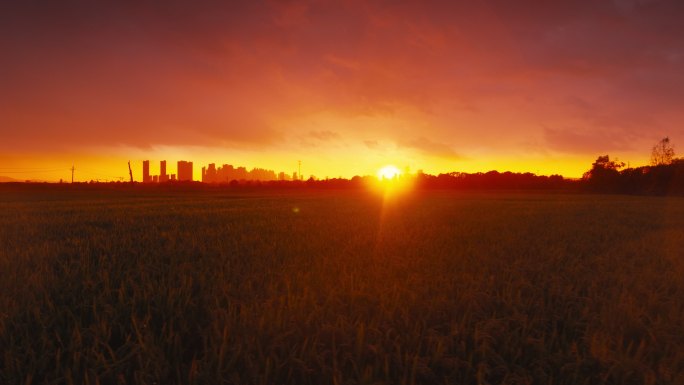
211 174
156 172
346 87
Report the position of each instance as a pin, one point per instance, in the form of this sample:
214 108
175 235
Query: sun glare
388 172
392 183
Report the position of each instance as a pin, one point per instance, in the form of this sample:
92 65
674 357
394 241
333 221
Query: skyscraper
211 173
163 177
146 171
184 171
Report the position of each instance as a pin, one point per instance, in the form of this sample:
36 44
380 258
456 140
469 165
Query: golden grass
440 287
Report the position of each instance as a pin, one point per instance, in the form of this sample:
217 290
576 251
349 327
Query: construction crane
130 172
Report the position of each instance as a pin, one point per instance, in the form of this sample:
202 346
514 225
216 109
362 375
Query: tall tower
146 171
211 173
162 171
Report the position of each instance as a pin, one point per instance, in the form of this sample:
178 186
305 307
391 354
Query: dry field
210 286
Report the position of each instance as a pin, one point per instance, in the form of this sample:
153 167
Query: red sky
344 86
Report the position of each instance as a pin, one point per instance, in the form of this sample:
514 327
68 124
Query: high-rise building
211 173
146 171
225 173
163 177
184 171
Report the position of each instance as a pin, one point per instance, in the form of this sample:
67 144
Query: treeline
665 175
663 179
493 180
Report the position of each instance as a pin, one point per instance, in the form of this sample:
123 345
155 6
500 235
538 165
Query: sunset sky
344 86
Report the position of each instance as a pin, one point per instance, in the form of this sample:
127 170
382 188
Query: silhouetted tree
662 153
604 175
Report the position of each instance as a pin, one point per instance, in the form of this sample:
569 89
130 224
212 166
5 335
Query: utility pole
72 173
130 172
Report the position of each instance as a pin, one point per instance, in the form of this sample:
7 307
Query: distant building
262 174
184 171
163 177
228 173
209 174
146 172
155 179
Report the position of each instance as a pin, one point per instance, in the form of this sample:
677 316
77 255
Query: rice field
229 286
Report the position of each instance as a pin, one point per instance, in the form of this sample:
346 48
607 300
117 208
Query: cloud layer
434 79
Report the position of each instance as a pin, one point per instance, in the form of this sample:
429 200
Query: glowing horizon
88 168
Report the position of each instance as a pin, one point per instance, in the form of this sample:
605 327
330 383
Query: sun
391 183
388 172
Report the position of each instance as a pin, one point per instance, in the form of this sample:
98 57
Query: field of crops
338 287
